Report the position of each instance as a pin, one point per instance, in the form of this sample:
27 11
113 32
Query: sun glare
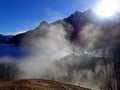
107 8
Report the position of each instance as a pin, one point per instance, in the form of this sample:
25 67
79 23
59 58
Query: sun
107 8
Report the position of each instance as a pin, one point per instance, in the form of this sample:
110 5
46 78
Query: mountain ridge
72 26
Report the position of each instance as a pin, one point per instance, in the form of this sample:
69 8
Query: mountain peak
77 12
78 18
88 11
43 23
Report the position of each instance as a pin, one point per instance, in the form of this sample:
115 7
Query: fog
53 57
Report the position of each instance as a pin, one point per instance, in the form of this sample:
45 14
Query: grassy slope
37 85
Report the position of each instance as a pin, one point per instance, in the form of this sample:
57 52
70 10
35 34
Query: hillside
37 85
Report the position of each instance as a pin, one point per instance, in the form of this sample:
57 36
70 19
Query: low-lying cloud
53 57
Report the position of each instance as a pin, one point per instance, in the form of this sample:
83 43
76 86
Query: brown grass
37 84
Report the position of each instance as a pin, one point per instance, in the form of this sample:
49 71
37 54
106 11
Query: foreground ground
37 85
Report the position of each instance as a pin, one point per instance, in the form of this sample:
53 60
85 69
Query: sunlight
107 8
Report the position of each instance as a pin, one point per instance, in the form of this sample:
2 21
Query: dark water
12 50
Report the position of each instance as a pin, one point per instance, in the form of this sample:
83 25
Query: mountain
4 38
74 26
39 32
78 19
95 44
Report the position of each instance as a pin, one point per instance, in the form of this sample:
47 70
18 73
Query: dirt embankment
37 85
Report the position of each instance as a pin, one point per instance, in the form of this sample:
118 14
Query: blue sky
21 15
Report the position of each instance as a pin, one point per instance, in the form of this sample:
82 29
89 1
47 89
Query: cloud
46 50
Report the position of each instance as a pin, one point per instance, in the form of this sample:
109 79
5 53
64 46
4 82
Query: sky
17 16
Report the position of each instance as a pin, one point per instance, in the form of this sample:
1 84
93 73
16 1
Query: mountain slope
73 26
